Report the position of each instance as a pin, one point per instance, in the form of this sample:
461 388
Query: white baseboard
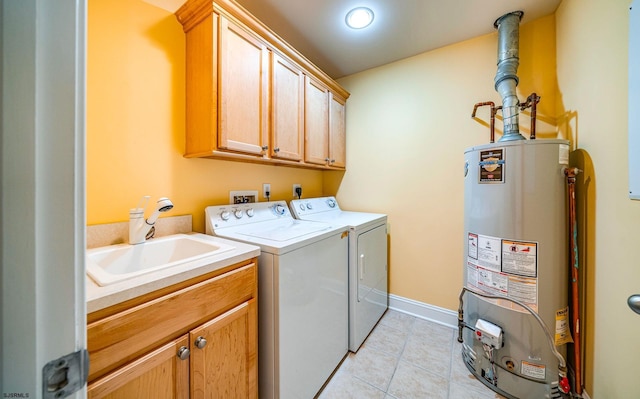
423 310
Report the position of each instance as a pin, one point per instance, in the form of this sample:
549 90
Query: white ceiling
401 28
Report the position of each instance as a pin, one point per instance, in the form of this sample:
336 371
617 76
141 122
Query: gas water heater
514 305
513 313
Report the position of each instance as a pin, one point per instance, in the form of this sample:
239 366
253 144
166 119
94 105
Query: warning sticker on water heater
533 370
563 334
520 258
503 267
492 166
487 251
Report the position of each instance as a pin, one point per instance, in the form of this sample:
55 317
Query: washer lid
285 231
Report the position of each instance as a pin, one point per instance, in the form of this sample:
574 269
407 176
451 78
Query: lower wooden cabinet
211 352
159 374
226 365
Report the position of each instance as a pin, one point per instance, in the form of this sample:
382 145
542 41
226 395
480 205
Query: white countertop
102 297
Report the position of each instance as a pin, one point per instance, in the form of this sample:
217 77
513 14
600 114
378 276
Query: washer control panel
220 216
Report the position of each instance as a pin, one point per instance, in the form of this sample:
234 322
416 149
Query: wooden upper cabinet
252 97
316 131
202 87
325 139
337 132
287 102
243 90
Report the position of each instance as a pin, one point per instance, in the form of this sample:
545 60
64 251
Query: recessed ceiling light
359 17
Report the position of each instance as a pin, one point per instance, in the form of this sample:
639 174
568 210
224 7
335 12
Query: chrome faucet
140 229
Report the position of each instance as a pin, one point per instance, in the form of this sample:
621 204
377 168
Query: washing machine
368 281
302 294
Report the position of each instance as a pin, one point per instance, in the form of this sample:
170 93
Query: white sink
114 263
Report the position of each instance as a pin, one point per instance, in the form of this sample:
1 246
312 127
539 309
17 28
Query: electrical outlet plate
295 195
242 197
266 187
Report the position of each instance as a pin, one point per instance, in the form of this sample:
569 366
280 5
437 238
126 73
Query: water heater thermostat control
488 333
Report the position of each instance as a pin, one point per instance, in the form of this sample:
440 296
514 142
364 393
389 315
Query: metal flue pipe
506 79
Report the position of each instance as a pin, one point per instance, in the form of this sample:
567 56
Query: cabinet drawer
124 336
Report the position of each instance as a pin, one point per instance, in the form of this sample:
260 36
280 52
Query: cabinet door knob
276 149
183 353
333 160
326 159
200 342
265 147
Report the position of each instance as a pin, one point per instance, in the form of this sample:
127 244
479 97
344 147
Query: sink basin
114 263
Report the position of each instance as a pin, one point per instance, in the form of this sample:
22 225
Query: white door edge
43 189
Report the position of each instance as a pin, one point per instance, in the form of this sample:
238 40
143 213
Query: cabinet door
243 90
201 87
337 132
287 103
316 117
156 375
224 365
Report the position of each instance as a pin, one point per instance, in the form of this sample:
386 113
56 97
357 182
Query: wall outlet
295 195
266 190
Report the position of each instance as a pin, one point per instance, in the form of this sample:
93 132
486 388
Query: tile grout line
453 343
413 323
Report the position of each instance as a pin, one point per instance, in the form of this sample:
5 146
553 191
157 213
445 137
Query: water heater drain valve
489 334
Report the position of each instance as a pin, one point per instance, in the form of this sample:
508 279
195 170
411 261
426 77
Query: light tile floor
405 357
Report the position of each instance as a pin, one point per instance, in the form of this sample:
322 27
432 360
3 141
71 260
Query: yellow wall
408 124
592 56
135 123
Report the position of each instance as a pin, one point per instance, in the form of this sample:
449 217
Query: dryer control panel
302 207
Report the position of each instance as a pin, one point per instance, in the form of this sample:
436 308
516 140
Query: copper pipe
532 101
493 116
571 173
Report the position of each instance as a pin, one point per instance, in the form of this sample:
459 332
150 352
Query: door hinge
64 376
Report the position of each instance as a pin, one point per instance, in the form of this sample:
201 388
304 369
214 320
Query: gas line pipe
571 173
532 101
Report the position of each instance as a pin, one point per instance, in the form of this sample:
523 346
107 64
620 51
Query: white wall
592 56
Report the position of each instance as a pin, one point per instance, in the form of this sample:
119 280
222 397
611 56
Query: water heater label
503 267
563 334
520 258
488 252
492 166
473 245
533 370
563 158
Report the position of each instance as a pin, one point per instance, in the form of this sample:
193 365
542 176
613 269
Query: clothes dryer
368 276
302 294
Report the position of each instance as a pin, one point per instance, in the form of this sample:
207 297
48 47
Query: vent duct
506 79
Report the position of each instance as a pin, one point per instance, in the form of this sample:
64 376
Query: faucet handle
142 204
